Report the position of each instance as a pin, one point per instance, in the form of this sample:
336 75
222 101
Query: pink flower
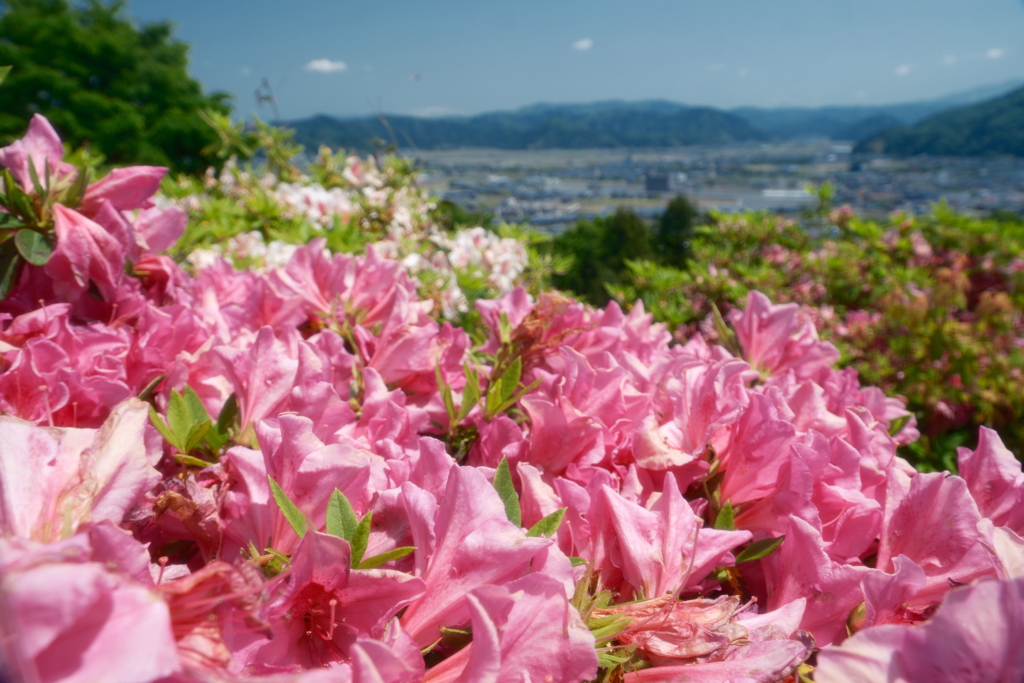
775 338
41 147
262 374
994 478
85 251
325 607
662 550
125 189
525 630
83 609
473 545
54 480
801 569
974 636
932 520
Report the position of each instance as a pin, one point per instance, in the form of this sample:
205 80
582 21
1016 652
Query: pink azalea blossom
974 636
524 630
54 480
83 609
41 147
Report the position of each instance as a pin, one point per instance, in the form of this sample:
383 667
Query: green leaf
507 492
726 520
504 328
33 174
4 70
10 222
726 337
33 246
519 394
549 525
18 200
494 393
195 406
360 538
179 419
161 426
341 518
510 380
759 549
10 266
292 513
196 435
470 394
608 627
227 414
446 394
147 393
73 197
577 561
898 424
384 558
191 461
220 433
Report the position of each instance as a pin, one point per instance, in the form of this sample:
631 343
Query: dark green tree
674 233
101 80
600 249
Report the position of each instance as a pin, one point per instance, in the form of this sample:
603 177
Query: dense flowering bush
295 473
256 219
927 308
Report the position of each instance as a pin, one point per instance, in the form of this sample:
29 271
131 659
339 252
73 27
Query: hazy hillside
644 124
653 123
990 128
856 123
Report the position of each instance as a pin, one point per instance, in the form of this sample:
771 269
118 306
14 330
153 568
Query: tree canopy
103 81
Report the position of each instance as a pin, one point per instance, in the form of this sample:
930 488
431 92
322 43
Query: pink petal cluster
673 468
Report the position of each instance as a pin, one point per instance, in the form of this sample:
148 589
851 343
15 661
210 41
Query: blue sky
469 56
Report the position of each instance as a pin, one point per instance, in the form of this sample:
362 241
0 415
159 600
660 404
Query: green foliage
927 308
341 518
507 492
759 549
450 216
291 512
101 80
189 428
548 525
239 141
726 519
675 232
26 219
599 250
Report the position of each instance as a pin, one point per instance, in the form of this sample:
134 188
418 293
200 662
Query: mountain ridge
622 123
992 127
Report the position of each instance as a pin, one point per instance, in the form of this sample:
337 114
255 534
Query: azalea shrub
927 308
254 215
292 471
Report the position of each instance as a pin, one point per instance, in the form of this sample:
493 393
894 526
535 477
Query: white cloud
903 69
326 66
949 60
583 44
245 71
995 53
742 73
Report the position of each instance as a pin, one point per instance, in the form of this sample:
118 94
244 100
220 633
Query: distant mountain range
576 126
653 123
990 128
